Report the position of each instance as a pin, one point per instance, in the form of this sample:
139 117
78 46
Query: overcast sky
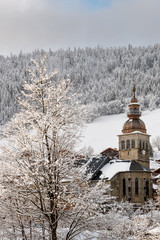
30 24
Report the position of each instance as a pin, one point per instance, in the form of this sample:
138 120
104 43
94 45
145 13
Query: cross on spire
134 90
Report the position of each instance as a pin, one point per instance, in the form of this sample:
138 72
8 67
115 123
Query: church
128 173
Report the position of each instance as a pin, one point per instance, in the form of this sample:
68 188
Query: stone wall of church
135 187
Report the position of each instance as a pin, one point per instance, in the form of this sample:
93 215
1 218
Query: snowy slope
102 133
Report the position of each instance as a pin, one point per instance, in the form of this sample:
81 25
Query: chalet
110 152
156 172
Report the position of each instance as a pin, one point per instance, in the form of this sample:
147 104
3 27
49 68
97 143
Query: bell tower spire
134 141
134 90
134 122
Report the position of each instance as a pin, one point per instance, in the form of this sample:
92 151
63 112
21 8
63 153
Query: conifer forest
102 78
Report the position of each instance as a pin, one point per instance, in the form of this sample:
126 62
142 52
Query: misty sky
30 24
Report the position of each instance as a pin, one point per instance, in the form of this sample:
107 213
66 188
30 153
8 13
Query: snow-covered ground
102 133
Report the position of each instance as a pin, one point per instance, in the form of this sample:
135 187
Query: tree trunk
54 234
30 223
54 226
43 230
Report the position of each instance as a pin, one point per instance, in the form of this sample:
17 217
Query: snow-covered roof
135 133
134 103
157 177
154 164
113 167
155 187
113 149
116 166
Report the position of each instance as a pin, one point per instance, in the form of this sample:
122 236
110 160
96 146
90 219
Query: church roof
135 132
109 170
135 166
95 164
135 124
92 165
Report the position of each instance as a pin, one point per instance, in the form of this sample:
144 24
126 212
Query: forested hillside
102 76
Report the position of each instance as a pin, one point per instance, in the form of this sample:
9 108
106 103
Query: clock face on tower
143 152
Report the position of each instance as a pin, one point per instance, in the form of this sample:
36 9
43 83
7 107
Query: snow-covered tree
103 76
124 222
158 193
156 142
46 194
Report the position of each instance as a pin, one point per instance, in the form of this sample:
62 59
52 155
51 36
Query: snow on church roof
116 166
134 132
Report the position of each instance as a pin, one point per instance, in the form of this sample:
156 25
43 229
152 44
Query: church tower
134 142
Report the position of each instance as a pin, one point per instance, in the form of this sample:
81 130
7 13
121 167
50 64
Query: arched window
124 186
143 144
135 110
128 144
133 143
147 187
140 144
136 186
123 144
147 145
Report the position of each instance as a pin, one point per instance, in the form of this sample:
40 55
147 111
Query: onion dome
134 123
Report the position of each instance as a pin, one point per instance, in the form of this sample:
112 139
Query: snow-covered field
102 133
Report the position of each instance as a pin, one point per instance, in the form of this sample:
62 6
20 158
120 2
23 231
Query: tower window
147 187
136 186
133 143
135 110
123 145
143 145
140 144
147 145
128 144
124 186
